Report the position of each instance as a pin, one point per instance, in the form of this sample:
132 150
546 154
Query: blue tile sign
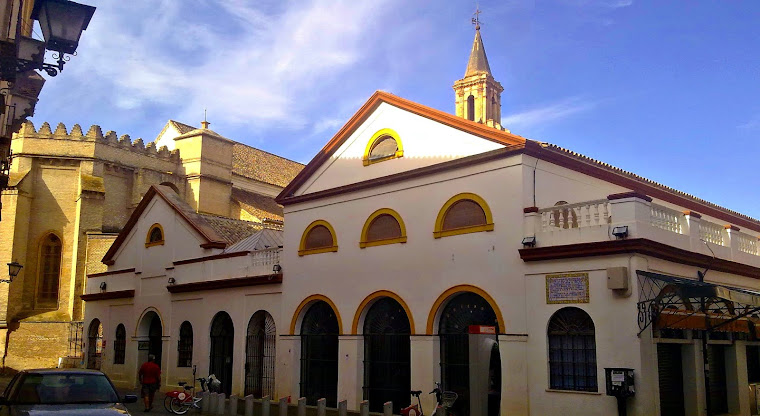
567 288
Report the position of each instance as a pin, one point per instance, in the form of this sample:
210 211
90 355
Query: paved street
138 407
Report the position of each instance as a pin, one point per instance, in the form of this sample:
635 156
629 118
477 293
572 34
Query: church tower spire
478 94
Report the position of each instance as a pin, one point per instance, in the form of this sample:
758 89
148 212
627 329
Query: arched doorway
150 337
386 355
94 344
260 355
319 354
461 311
220 359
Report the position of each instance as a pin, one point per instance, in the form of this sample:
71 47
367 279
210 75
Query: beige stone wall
97 246
37 345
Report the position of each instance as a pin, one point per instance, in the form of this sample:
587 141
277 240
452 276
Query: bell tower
478 94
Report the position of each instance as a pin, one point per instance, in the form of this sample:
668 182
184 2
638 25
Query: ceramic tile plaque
567 288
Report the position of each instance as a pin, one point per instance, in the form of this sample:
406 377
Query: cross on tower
476 19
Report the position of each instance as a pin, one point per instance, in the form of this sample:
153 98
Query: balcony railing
666 219
712 233
583 214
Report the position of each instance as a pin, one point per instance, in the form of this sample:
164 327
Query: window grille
464 213
318 237
185 345
572 351
384 147
50 271
119 345
383 227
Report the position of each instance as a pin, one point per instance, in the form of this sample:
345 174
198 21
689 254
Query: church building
425 247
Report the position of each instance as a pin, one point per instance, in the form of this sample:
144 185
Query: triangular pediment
427 136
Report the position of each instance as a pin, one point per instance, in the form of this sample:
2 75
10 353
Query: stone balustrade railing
593 221
266 257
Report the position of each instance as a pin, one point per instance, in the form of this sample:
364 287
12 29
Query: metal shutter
671 379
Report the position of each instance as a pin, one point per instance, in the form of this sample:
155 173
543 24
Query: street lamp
62 23
13 269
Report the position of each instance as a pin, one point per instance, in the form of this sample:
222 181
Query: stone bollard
212 398
364 408
204 403
283 406
220 404
249 405
388 409
343 408
233 405
265 406
302 406
322 407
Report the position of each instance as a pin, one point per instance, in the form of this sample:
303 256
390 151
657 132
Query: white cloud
251 62
548 113
752 124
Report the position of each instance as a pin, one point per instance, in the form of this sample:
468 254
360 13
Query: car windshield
64 388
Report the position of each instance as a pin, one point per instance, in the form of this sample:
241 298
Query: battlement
95 134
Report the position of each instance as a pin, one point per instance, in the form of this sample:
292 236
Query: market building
423 246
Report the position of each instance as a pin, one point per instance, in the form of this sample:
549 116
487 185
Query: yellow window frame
363 243
377 136
303 251
439 232
149 243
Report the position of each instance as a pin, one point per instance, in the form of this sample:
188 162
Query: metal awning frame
685 300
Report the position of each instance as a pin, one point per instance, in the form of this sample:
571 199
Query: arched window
260 355
572 351
384 226
155 236
119 344
471 108
319 354
564 217
319 237
185 345
49 271
384 145
462 214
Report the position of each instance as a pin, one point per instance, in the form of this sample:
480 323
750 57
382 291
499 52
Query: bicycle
180 402
445 400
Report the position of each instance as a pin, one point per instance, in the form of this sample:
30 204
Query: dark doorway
94 344
494 382
716 356
460 312
220 357
154 338
260 355
386 356
670 373
319 354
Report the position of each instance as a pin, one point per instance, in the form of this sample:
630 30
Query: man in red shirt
150 378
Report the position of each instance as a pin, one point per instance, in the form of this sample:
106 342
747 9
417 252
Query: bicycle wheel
167 404
179 407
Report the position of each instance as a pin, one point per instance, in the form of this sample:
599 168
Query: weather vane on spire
476 19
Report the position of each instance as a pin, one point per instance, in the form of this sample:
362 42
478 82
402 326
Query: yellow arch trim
438 232
308 301
148 243
302 250
383 211
459 289
381 294
375 138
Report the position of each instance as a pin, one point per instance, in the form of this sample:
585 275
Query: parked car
64 392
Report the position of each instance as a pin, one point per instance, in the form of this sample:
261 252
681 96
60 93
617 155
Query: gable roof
263 166
379 97
262 240
217 232
257 205
514 144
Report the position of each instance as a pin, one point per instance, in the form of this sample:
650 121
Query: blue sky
668 90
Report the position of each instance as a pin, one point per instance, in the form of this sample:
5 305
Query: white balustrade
666 219
712 233
579 215
266 257
747 243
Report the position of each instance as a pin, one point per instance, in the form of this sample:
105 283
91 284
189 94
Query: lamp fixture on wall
103 286
529 241
277 268
620 231
171 281
14 268
62 23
